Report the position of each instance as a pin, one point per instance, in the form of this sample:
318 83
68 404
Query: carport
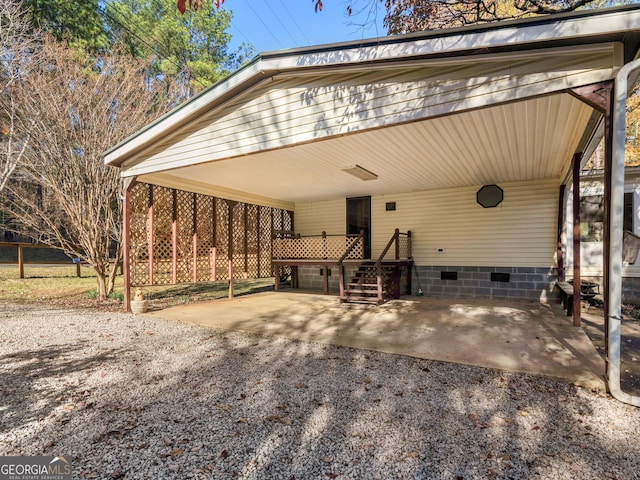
417 125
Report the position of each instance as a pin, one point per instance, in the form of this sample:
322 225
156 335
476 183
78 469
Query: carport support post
126 240
174 236
576 241
600 97
230 204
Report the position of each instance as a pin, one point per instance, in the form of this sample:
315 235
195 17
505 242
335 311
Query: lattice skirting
184 237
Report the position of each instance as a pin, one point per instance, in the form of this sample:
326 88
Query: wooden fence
20 246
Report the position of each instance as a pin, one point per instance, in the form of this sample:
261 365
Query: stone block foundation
532 283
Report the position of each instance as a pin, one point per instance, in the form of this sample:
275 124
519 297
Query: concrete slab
524 337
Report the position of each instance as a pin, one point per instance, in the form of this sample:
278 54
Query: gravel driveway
136 397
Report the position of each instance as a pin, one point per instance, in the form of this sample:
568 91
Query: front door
359 218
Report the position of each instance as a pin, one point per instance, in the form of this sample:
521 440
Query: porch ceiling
526 140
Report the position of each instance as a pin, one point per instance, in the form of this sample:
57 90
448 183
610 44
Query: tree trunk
102 285
113 273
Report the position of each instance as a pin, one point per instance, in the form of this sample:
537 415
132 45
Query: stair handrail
378 264
394 239
346 253
352 247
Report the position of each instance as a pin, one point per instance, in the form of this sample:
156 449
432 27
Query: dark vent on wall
500 277
448 275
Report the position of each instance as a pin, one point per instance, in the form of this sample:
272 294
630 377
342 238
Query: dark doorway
359 218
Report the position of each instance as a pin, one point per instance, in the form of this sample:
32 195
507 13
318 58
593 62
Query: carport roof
520 123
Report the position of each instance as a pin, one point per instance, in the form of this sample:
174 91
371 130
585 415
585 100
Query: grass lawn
58 285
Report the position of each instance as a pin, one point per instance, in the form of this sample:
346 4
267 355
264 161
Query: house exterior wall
315 217
517 237
591 252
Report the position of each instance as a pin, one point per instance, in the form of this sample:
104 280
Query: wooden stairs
364 287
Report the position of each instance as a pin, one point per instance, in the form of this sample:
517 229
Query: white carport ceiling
527 140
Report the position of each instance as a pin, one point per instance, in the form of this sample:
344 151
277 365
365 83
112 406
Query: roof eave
509 36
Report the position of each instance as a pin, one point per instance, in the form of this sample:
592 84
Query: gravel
132 397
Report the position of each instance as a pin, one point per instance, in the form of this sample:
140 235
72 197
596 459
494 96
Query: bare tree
77 107
405 16
16 51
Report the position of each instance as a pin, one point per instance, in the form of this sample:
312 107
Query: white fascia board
350 69
562 29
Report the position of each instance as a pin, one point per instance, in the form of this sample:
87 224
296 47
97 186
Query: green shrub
119 296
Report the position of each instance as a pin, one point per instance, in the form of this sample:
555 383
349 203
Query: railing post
397 237
379 280
409 252
324 243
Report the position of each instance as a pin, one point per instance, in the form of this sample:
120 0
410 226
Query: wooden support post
20 261
174 237
245 243
258 240
230 250
559 250
600 97
325 279
194 247
78 269
276 281
272 236
409 266
126 241
214 261
214 249
324 244
150 235
577 311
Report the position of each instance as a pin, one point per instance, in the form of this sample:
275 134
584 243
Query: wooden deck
325 263
375 279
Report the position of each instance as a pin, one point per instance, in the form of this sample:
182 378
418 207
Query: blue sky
279 24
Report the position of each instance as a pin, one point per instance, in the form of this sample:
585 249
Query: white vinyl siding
520 232
591 253
315 217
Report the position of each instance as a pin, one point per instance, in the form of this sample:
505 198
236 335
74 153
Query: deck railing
287 245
